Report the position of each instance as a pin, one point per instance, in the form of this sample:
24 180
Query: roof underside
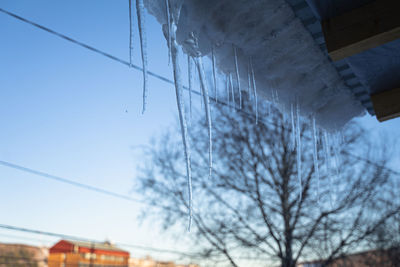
373 71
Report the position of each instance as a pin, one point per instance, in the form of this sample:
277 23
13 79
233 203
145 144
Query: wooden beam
361 29
387 104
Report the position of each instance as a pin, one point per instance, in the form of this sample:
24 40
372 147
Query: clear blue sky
63 111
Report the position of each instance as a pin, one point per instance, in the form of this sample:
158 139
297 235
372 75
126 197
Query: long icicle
143 46
182 119
298 149
190 76
203 85
254 89
214 75
328 163
336 152
232 90
238 76
227 90
315 155
249 81
169 30
130 34
336 147
293 140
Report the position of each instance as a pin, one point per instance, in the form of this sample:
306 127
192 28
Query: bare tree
254 207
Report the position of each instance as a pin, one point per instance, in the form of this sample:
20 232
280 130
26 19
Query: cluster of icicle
195 57
331 143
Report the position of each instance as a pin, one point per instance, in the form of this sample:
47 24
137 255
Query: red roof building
86 254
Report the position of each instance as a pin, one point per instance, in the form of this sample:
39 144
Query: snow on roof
287 61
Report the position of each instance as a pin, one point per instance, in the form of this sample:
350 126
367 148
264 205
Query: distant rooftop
103 245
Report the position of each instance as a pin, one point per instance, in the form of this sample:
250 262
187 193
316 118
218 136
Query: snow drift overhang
286 59
286 44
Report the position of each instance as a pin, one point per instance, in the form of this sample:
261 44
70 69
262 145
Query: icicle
227 90
293 141
130 34
232 90
273 98
204 89
254 89
269 108
169 30
201 98
315 155
214 75
143 46
336 149
249 81
298 149
327 151
276 96
190 76
238 77
182 119
328 163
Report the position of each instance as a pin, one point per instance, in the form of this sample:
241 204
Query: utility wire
93 49
78 238
77 184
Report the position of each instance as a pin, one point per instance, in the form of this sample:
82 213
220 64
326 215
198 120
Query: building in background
66 253
87 254
19 255
149 262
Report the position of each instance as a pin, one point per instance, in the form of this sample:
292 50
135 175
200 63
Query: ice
254 90
327 150
293 141
227 89
130 34
298 149
232 90
181 111
201 98
265 31
249 81
143 46
190 77
336 151
315 154
214 75
169 30
206 100
238 76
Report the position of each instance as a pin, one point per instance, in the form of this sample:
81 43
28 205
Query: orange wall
73 259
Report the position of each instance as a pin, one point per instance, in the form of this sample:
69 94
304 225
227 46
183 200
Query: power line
77 184
93 49
77 238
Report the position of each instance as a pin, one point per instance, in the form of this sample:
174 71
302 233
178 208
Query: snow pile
286 61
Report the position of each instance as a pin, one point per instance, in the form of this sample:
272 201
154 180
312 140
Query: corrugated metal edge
303 11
